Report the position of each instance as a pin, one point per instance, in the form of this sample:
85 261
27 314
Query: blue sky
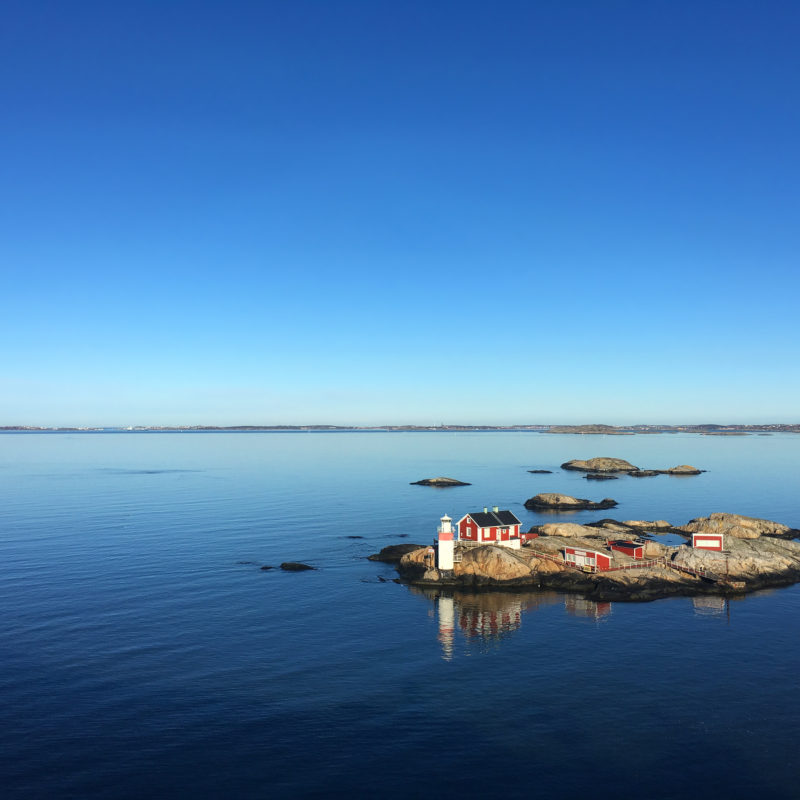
366 213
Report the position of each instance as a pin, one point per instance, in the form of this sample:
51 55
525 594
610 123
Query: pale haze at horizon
415 213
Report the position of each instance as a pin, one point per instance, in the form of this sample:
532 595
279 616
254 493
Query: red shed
708 541
632 549
590 560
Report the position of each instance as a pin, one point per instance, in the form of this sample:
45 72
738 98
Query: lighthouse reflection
484 619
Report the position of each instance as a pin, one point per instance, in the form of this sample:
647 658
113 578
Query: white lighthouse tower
446 544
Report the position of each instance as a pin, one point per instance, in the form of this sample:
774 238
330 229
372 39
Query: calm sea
146 654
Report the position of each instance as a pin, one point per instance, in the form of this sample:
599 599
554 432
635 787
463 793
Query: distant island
706 429
593 429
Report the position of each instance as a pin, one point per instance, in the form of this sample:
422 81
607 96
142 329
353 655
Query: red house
632 549
495 527
708 541
589 560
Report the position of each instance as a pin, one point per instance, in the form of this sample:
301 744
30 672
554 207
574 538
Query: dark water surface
145 654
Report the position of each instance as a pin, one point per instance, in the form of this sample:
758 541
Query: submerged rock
541 471
564 502
600 464
439 483
295 566
644 473
599 476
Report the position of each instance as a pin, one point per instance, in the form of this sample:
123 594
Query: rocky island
758 553
439 483
604 466
600 464
552 501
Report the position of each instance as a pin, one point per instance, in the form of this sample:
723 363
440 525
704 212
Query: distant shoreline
586 430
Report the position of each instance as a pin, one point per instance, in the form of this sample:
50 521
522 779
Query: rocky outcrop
751 562
604 465
739 527
683 469
394 552
480 565
439 483
643 524
634 528
551 501
601 464
496 563
564 529
770 559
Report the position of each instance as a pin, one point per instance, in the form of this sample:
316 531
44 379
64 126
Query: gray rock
739 527
439 483
567 530
564 502
600 464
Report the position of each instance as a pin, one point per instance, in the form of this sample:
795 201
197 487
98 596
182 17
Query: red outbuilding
708 541
632 549
590 560
495 527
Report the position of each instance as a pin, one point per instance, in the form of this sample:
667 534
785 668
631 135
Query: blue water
142 658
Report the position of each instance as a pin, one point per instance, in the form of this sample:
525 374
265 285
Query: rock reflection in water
482 618
577 606
710 605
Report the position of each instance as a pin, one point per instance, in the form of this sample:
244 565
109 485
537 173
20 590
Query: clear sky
399 212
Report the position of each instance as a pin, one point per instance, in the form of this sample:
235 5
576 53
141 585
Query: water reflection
484 619
711 606
578 606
